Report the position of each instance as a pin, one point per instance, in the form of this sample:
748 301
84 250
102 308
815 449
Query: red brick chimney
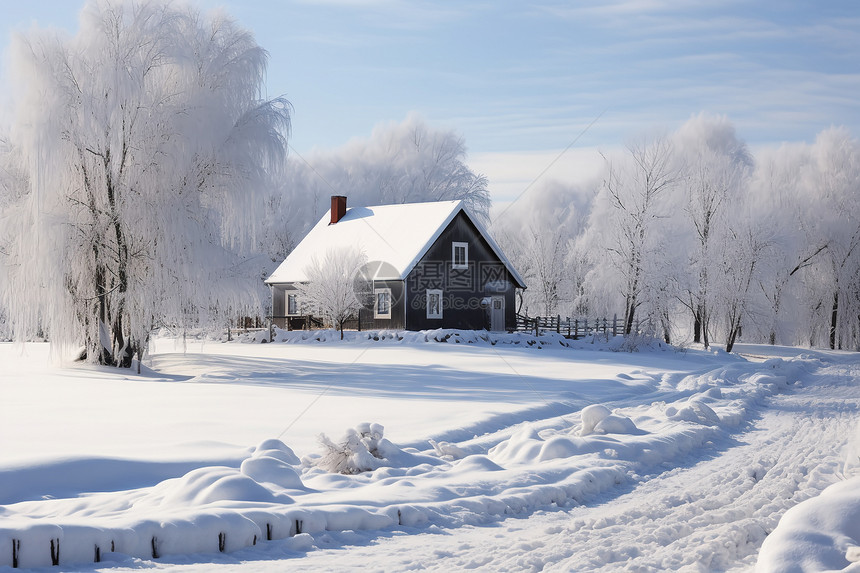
338 208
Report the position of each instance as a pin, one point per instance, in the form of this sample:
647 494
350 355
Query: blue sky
524 79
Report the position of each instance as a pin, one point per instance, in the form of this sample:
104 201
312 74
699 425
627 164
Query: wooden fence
570 327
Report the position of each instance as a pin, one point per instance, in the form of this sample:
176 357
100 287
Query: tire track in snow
714 515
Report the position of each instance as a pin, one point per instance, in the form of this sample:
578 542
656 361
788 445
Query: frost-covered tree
739 267
13 185
836 186
776 202
333 285
407 162
715 166
809 195
543 266
535 232
148 150
624 225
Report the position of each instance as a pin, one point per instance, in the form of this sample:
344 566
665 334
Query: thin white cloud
392 14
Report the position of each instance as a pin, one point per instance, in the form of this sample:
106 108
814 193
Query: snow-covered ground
483 452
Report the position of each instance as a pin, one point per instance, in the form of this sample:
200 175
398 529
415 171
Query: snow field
566 460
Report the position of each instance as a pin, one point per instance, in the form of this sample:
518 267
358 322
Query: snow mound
695 411
819 534
598 419
527 446
277 449
268 470
591 416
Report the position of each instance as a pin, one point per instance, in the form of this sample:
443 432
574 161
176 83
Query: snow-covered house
429 265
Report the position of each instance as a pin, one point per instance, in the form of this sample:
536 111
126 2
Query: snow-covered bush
358 451
636 342
448 451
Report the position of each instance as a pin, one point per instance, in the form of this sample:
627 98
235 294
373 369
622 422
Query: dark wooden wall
462 289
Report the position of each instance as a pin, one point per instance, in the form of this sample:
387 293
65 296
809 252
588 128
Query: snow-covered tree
535 232
406 162
543 267
836 186
148 150
13 185
739 267
809 195
334 285
624 225
716 166
775 201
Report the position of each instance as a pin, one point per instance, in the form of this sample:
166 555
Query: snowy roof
397 235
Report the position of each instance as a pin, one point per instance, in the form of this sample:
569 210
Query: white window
292 304
434 303
382 303
460 255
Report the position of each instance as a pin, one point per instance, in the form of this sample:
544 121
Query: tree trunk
730 341
105 356
697 324
123 348
834 316
629 313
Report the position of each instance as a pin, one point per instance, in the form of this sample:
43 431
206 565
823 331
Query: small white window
460 255
292 305
434 303
382 303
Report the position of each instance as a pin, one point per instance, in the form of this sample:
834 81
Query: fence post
568 327
576 329
615 325
558 324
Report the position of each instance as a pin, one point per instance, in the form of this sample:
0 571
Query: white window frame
376 293
295 297
435 292
454 246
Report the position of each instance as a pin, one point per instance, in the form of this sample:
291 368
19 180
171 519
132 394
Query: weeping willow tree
147 151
